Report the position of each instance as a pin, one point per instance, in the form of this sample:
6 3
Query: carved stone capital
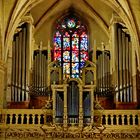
2 66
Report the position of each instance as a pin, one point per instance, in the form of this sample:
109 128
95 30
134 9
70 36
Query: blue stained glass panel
84 44
83 56
57 43
75 68
75 56
75 75
82 64
66 43
66 56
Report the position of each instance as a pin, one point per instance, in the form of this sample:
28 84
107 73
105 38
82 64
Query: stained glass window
71 45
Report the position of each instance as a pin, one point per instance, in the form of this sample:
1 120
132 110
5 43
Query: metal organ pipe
123 65
13 71
103 72
39 72
19 64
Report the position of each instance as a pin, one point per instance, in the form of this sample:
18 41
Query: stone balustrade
40 116
120 117
25 116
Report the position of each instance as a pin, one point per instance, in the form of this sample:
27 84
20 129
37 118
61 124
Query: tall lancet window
71 45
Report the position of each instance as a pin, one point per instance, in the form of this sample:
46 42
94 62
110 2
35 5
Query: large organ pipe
106 65
123 67
120 63
24 64
39 71
17 71
13 71
130 69
103 72
123 64
127 91
116 61
20 66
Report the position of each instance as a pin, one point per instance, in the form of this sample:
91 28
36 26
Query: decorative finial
40 46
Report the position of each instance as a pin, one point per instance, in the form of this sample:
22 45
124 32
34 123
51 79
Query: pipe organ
103 72
20 61
39 76
59 107
73 102
86 107
123 63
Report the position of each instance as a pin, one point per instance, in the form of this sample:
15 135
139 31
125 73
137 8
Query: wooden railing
39 116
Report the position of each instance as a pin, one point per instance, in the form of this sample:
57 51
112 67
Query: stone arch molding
23 7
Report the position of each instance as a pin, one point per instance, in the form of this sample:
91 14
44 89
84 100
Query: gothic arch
28 5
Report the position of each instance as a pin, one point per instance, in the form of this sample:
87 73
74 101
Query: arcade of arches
70 69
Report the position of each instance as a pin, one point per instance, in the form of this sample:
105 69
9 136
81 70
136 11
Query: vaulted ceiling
98 11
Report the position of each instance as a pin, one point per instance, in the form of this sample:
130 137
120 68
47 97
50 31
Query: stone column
65 117
2 84
80 106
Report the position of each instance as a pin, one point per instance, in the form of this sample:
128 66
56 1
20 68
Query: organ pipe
123 65
39 72
19 64
103 72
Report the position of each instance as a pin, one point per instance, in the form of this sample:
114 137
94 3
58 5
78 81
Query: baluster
106 119
11 116
111 116
122 119
102 119
33 119
4 119
139 120
39 117
22 118
128 120
117 119
133 118
27 118
16 118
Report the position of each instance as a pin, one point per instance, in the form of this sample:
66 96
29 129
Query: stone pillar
65 117
80 106
2 84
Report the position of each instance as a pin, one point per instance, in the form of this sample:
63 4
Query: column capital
2 65
115 19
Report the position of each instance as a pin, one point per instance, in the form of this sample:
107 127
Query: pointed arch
71 45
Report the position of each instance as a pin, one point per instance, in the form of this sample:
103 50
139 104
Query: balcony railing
39 117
